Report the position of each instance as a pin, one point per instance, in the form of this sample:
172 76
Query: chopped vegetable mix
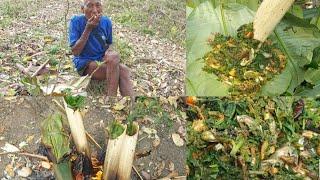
242 62
254 138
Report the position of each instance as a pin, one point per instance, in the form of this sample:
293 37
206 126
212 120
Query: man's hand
93 22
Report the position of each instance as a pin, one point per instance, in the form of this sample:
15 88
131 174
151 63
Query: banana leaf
204 20
296 37
252 4
298 43
54 137
56 141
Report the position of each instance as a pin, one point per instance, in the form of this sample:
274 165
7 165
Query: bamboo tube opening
113 153
77 129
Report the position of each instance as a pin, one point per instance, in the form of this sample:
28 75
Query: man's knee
112 58
124 70
91 66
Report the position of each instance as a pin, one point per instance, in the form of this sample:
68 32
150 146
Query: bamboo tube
77 129
113 153
268 16
127 154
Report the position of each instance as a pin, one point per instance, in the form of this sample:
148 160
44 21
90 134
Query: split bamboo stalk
127 154
113 153
77 129
268 16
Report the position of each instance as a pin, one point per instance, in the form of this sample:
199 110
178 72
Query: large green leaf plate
294 36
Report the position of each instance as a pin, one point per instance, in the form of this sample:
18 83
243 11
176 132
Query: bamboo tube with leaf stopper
116 133
128 152
77 129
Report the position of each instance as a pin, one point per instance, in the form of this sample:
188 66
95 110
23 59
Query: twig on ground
23 69
44 158
135 170
36 54
142 138
40 68
93 140
61 108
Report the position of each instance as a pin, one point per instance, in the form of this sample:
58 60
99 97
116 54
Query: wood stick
134 168
36 54
44 158
41 67
93 140
23 69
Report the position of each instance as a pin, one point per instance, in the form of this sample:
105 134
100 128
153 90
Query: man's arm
78 47
81 42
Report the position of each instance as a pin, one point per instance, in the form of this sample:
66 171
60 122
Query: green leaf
54 137
74 102
252 4
200 83
296 37
296 10
205 20
312 76
314 92
237 145
194 3
316 21
298 43
115 129
315 63
62 171
278 85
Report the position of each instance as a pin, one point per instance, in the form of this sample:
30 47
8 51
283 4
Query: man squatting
90 35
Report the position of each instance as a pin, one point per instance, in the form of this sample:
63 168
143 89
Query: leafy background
297 35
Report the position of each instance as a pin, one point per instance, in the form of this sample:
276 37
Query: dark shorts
82 70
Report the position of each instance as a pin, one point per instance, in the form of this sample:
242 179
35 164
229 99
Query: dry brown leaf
118 107
160 167
171 166
24 172
182 131
173 101
45 164
264 147
29 139
178 141
145 175
10 148
199 125
156 142
143 152
9 170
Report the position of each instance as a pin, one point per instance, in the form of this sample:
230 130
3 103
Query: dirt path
35 34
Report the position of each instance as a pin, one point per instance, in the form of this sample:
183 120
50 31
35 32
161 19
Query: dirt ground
148 35
20 120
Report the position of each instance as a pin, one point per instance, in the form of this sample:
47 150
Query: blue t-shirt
93 50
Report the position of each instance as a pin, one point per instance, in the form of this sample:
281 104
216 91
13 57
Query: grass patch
124 49
152 108
10 9
164 18
14 9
